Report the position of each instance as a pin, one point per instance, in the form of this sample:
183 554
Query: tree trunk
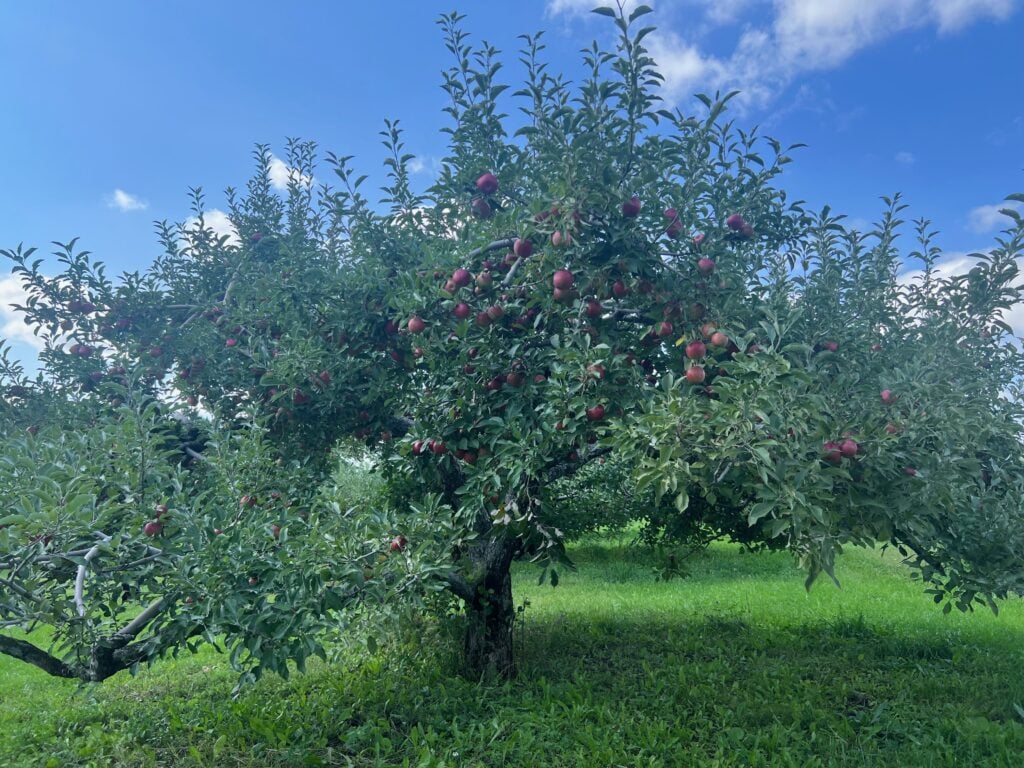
490 613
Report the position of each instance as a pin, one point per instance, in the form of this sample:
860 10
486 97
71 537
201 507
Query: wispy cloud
904 158
125 202
987 218
581 7
800 36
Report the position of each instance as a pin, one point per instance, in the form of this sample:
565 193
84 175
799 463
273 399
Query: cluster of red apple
483 204
835 451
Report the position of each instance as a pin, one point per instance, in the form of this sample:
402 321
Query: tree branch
80 575
130 631
459 586
508 242
570 468
25 651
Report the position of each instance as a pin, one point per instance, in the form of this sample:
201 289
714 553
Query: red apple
561 239
706 266
596 370
696 350
437 447
152 528
849 448
522 247
514 379
832 453
483 319
248 500
719 339
631 208
461 277
735 222
563 280
596 413
909 471
594 308
481 208
663 329
416 325
275 530
484 279
487 184
697 240
888 397
747 230
495 312
619 289
462 310
695 374
325 377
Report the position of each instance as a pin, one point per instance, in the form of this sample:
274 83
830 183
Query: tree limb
80 575
25 651
570 468
508 242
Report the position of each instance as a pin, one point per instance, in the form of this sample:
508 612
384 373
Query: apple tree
596 278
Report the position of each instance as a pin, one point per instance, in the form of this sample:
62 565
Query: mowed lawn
735 665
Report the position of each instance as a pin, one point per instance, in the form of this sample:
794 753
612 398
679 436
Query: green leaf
641 10
605 11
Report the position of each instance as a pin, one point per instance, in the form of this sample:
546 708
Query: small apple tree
599 277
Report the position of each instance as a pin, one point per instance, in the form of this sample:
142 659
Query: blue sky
112 110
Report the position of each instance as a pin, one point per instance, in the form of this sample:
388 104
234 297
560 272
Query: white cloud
581 7
724 11
12 324
281 174
904 158
953 15
218 221
125 202
802 36
987 218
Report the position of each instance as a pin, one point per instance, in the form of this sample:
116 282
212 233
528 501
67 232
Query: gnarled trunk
490 612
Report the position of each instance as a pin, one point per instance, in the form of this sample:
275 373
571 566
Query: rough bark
490 613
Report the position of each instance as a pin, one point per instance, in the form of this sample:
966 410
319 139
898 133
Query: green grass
734 666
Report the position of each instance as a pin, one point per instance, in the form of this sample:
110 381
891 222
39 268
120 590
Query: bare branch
25 651
497 245
80 575
511 273
132 629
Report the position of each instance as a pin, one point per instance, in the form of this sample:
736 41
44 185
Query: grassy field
735 666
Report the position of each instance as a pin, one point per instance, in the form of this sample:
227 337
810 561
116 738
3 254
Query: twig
80 576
